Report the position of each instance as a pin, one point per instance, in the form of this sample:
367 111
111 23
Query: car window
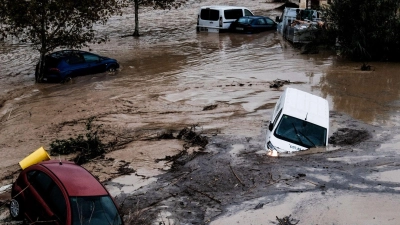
269 21
209 14
261 21
56 202
75 58
50 193
91 57
51 62
40 181
94 210
300 132
233 13
247 13
245 20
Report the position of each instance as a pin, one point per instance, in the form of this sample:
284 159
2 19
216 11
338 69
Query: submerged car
65 64
253 24
62 192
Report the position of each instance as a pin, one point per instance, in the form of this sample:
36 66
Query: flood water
171 72
170 50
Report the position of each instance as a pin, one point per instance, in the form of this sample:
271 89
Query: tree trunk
136 33
39 72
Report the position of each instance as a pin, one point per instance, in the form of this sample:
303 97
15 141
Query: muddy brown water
168 76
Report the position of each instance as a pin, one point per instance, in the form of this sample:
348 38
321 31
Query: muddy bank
235 175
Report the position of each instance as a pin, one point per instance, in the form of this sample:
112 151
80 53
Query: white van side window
209 14
248 13
233 14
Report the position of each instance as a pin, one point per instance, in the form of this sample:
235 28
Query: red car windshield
96 210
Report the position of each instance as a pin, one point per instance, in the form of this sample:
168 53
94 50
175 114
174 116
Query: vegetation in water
87 146
363 29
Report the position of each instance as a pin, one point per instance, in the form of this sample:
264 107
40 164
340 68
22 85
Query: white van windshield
300 132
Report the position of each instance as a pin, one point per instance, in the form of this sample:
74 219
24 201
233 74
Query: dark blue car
253 24
63 65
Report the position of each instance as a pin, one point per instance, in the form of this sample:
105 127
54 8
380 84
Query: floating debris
278 83
210 107
287 220
347 136
365 67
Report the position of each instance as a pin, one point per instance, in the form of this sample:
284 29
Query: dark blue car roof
253 17
64 53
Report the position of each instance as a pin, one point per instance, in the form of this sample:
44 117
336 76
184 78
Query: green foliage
87 146
49 24
55 23
365 29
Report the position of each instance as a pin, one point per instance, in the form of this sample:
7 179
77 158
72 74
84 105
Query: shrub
87 146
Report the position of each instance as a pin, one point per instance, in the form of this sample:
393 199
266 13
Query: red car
61 192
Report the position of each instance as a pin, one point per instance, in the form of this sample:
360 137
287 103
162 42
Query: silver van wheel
15 209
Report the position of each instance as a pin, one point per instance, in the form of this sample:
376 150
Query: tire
16 209
112 69
66 79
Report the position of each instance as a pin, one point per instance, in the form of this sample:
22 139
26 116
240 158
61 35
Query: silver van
300 121
219 18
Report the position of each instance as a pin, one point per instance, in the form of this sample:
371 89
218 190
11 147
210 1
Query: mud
235 174
172 78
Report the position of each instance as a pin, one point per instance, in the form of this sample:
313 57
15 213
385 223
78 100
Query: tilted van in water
300 121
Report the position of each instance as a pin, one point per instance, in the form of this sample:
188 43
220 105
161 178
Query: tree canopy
49 24
365 29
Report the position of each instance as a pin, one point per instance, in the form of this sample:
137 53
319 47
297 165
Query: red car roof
76 179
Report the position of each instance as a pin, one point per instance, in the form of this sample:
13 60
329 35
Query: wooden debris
205 194
278 83
210 107
286 220
236 175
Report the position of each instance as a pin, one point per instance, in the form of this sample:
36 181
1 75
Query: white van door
208 20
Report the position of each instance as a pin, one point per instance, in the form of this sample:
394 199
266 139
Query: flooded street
167 78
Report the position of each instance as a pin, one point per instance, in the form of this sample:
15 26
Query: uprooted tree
50 24
365 29
157 4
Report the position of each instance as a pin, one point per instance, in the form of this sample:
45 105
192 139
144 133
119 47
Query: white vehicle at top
300 121
218 18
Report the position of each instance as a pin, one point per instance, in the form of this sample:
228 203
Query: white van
300 121
219 18
289 15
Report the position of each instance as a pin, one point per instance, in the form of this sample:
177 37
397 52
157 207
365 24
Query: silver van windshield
300 132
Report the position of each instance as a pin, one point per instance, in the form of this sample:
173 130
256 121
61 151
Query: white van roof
222 7
304 105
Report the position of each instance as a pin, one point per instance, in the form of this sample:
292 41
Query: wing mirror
270 126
